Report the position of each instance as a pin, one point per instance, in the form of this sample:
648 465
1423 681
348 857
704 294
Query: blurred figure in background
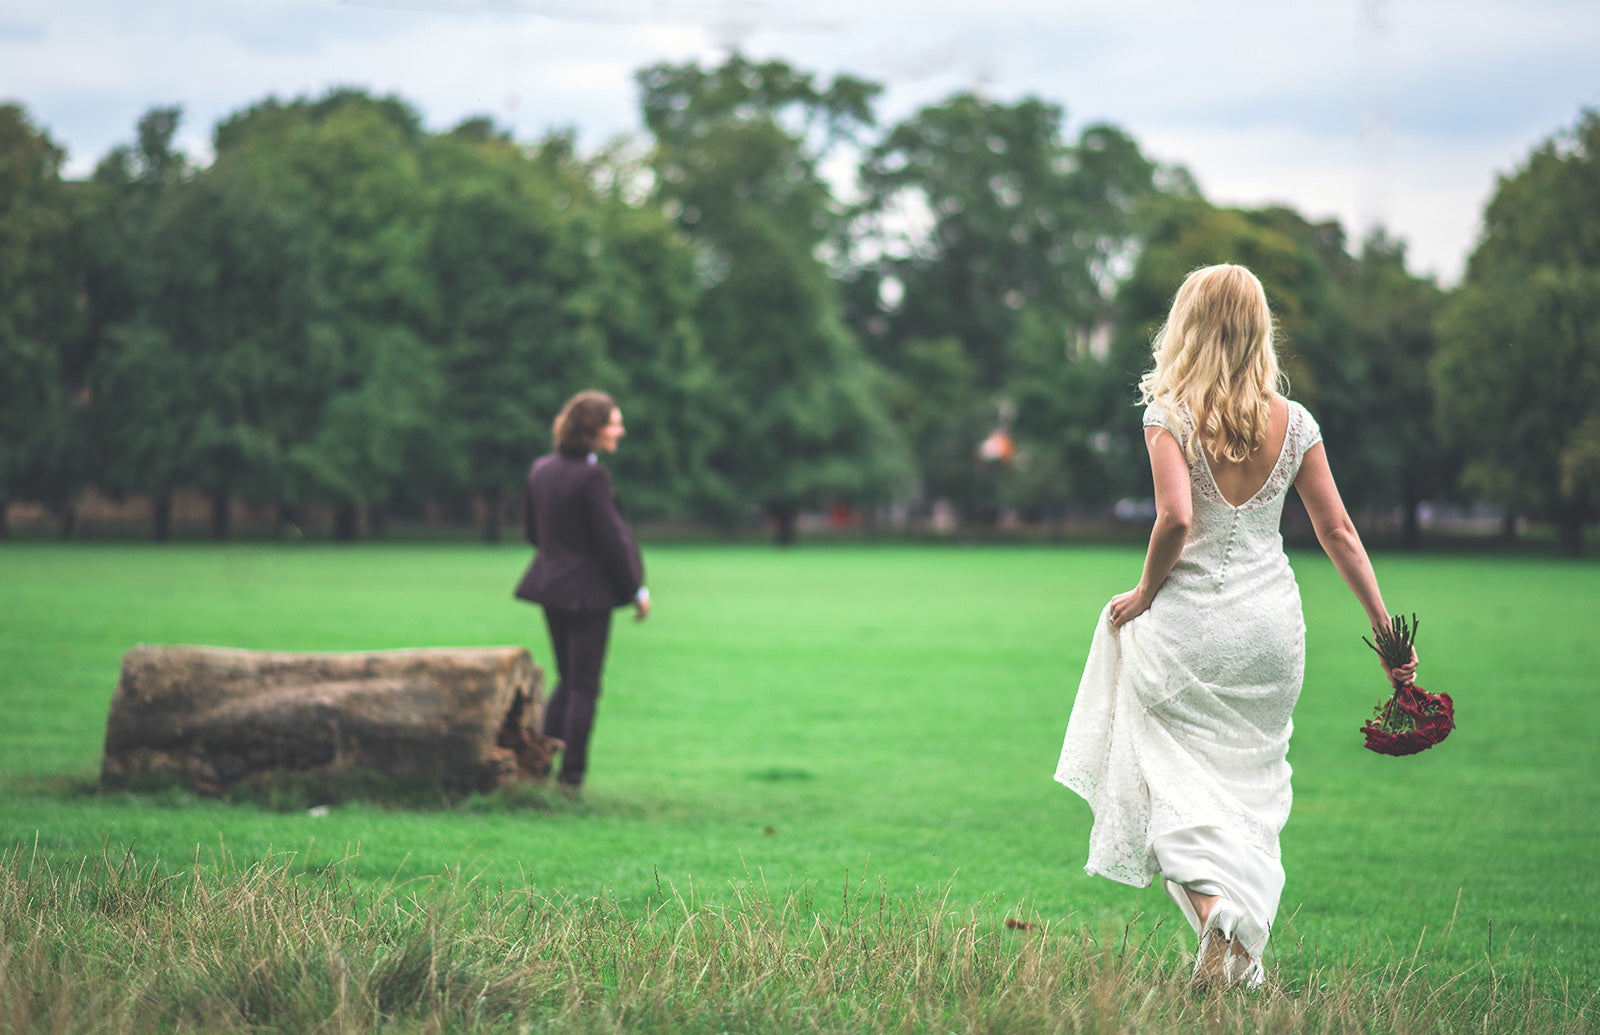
587 563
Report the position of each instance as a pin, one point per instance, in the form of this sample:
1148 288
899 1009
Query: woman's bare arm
1174 512
1342 543
1337 533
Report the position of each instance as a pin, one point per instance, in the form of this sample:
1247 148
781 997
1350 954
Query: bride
1180 729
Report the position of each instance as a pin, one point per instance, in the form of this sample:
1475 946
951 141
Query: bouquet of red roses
1412 719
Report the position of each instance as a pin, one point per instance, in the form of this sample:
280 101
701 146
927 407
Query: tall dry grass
115 944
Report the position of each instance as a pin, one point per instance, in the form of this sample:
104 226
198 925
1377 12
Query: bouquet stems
1412 719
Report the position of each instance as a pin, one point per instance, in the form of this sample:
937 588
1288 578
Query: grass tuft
116 945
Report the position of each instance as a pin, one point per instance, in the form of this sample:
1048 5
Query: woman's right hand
1405 675
1130 605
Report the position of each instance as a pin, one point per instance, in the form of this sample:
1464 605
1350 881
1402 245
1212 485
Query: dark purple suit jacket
587 559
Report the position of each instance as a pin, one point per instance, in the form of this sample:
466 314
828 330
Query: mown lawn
810 716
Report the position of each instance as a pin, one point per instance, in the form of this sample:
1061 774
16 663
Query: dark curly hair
581 420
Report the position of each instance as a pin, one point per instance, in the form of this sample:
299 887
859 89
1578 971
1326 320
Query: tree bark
1569 525
784 517
220 514
493 505
161 516
460 719
345 519
282 519
5 520
1410 526
69 520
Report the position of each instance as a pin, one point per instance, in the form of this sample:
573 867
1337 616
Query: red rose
1412 720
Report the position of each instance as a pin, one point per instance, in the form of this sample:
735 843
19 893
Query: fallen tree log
208 717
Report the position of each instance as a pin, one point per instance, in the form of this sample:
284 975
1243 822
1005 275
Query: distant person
587 564
1180 730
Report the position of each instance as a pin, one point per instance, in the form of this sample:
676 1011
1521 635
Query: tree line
345 310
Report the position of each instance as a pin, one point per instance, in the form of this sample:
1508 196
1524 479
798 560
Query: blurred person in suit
587 563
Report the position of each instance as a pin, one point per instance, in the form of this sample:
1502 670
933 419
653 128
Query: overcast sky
1396 111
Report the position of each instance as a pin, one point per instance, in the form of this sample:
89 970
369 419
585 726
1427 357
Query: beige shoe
1221 962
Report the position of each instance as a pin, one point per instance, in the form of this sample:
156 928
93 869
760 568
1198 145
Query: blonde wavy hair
1216 356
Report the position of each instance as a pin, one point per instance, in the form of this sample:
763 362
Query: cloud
1265 101
20 30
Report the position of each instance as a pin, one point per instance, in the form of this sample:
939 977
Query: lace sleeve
1303 427
1155 416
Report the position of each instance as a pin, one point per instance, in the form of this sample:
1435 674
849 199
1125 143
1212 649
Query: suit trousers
579 641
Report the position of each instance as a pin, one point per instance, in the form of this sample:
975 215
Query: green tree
145 396
1518 364
238 307
43 448
1023 222
642 288
936 398
1062 393
350 168
982 223
1392 314
501 255
800 408
547 285
140 386
205 314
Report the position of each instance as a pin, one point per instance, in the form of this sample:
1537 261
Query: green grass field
814 717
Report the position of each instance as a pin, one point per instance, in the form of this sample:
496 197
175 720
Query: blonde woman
1180 729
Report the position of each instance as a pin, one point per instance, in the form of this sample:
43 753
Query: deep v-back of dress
1254 472
1180 729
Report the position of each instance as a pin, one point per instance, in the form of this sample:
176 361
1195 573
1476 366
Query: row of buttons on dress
1227 549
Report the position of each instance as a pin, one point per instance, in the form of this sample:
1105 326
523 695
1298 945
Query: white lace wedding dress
1181 725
